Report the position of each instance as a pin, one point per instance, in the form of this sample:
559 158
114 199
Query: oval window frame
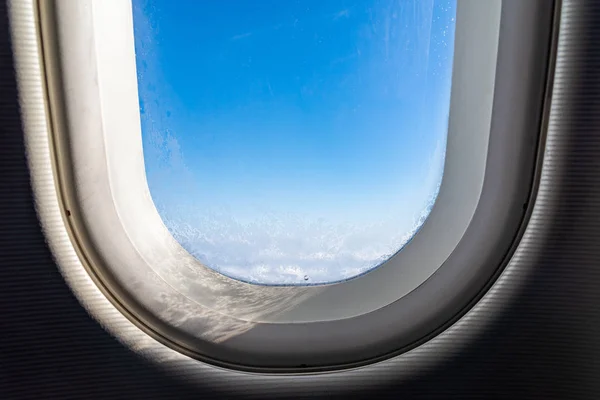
474 265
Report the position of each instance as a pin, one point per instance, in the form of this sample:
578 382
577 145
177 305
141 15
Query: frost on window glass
294 142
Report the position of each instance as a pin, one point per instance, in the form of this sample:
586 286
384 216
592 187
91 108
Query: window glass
294 142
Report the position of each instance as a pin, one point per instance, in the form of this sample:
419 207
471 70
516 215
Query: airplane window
291 144
220 162
294 142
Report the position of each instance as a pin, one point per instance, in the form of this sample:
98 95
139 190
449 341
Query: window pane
294 142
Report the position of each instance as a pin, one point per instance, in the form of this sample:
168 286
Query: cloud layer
290 250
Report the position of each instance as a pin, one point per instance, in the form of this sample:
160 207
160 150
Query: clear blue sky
263 116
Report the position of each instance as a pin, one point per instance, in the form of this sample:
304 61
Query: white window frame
95 145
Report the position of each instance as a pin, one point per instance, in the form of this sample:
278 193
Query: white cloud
341 14
241 36
280 250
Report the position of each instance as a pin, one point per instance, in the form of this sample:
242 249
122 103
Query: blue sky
285 139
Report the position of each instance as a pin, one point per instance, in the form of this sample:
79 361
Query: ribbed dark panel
546 345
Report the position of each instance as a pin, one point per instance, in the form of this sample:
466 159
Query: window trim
519 122
112 202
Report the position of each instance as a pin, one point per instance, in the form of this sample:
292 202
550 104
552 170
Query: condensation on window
294 142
